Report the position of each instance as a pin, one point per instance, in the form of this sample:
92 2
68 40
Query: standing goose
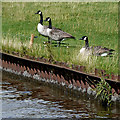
57 34
41 28
95 50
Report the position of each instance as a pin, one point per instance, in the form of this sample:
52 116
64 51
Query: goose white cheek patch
48 19
85 38
39 12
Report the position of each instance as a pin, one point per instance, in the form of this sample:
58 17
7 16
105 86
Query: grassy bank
98 21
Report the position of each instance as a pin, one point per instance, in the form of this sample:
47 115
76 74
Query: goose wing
99 50
58 34
67 35
56 28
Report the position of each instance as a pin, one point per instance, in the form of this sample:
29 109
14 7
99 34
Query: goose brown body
42 29
95 50
57 34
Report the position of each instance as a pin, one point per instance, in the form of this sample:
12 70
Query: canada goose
57 34
42 29
95 50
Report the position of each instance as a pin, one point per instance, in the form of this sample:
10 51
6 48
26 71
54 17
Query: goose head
38 12
85 38
48 19
41 16
50 22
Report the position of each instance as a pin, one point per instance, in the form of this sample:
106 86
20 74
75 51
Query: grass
98 21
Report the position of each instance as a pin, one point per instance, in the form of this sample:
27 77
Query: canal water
27 98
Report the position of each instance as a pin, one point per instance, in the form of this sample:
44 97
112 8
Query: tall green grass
98 21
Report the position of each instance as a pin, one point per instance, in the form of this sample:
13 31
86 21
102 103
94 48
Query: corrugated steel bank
54 73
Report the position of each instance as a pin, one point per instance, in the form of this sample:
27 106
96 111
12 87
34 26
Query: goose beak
45 20
36 13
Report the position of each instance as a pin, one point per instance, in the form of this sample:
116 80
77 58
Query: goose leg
49 41
59 43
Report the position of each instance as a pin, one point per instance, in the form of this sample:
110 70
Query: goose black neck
41 19
50 24
86 43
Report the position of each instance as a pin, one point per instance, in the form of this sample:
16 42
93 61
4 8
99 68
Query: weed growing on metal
104 92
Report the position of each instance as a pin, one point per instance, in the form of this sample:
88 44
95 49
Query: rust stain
75 76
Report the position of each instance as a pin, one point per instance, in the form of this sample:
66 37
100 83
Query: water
27 98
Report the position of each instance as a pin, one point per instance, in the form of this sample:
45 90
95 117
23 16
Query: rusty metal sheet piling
61 74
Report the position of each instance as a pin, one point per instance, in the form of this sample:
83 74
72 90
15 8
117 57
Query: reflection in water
28 98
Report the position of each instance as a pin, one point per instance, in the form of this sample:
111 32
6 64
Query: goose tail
67 35
72 37
111 50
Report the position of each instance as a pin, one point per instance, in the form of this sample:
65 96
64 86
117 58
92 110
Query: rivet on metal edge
10 65
18 68
82 84
35 71
86 86
28 69
22 69
74 83
62 79
5 64
58 78
42 74
15 67
54 77
32 72
46 75
78 83
38 72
